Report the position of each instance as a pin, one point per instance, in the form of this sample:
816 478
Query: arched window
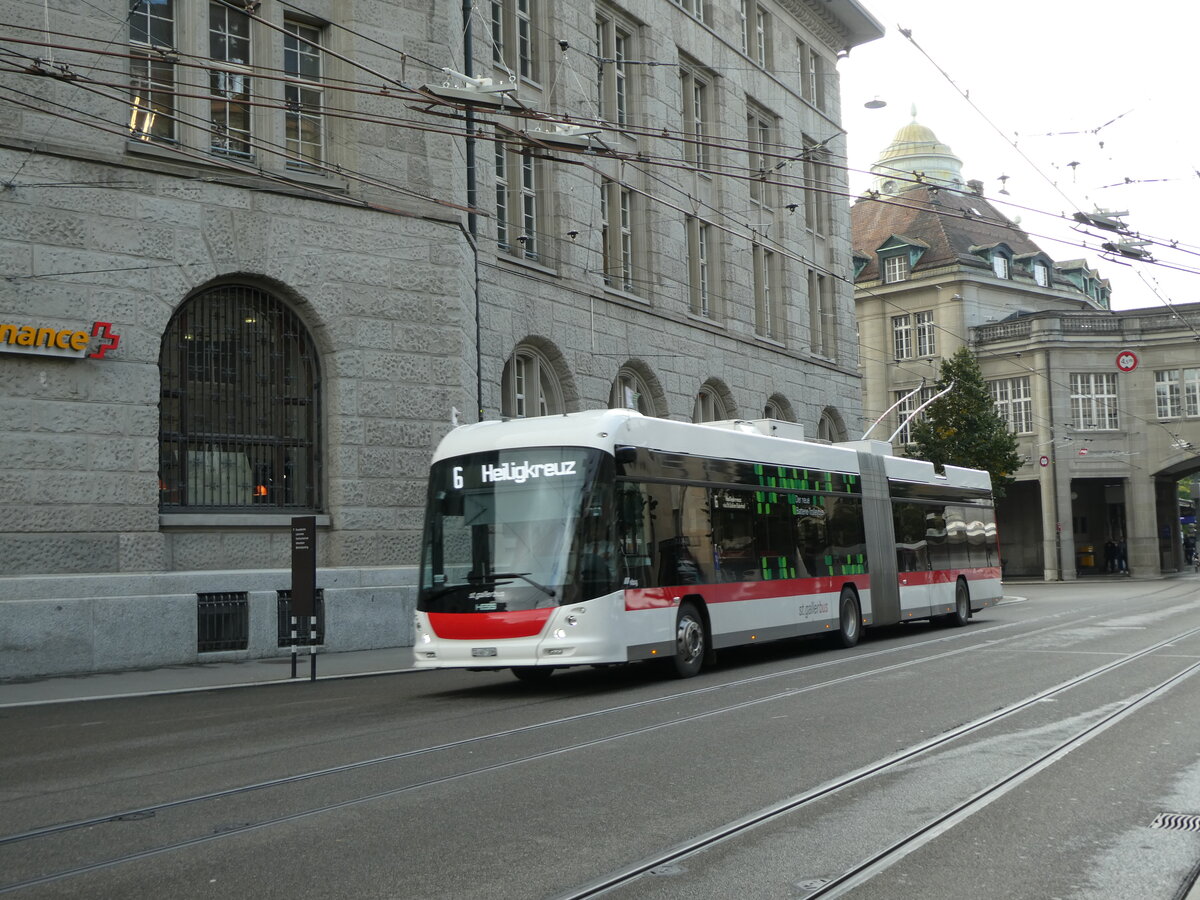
777 407
529 386
709 405
239 413
830 427
631 390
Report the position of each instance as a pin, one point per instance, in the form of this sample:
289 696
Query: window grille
239 408
284 608
222 621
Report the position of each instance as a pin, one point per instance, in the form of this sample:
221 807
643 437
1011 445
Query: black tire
849 618
962 606
691 641
535 674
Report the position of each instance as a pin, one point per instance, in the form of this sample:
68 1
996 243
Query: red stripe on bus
737 591
489 626
945 576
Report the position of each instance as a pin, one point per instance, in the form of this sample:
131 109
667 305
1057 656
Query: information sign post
304 586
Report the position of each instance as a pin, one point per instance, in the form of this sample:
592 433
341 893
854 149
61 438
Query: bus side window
775 544
912 554
635 534
993 546
847 552
733 535
956 537
812 540
935 536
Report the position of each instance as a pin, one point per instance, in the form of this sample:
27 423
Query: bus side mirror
625 455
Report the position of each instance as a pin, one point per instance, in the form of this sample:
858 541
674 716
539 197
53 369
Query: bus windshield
509 530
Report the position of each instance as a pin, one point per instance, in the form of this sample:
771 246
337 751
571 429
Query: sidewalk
203 677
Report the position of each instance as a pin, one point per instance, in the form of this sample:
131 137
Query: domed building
937 266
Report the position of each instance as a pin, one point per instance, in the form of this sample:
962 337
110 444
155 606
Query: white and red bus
607 537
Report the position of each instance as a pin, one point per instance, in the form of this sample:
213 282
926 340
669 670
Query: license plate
483 651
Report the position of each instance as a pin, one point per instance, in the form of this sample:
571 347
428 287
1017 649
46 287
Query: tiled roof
950 222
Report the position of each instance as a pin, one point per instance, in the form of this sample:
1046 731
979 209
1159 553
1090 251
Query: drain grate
1176 822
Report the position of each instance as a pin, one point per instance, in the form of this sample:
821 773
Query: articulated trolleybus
607 537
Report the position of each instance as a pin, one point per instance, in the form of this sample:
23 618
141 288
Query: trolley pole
304 587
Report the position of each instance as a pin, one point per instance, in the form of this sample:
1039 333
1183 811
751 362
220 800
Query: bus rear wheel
962 606
849 618
533 673
691 641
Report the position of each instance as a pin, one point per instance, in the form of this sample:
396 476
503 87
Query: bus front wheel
849 618
691 641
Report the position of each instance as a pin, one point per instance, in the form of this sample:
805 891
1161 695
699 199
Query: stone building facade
249 275
1105 405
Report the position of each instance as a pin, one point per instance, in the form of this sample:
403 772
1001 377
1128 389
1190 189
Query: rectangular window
1041 274
895 268
699 288
766 293
1094 400
1191 392
1167 400
760 147
762 37
818 202
614 46
517 195
513 42
811 68
755 25
303 96
616 230
501 161
822 315
926 333
1014 403
694 8
229 83
1000 266
151 75
529 204
695 93
902 337
906 409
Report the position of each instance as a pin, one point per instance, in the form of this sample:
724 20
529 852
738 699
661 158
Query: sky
1121 75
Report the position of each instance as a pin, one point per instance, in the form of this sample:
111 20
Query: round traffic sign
1127 361
1044 461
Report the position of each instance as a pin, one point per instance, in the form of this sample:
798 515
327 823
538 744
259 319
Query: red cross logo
108 340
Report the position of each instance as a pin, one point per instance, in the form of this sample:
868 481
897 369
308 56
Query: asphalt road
1027 755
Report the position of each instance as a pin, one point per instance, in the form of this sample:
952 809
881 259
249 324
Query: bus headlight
572 620
426 638
560 633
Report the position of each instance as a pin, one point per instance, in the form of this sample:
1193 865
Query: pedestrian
1122 562
1110 555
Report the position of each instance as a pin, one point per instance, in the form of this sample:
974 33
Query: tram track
988 643
871 865
840 660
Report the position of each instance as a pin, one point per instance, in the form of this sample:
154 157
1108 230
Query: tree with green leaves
963 428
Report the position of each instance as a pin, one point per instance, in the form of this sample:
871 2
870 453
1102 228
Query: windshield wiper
524 576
